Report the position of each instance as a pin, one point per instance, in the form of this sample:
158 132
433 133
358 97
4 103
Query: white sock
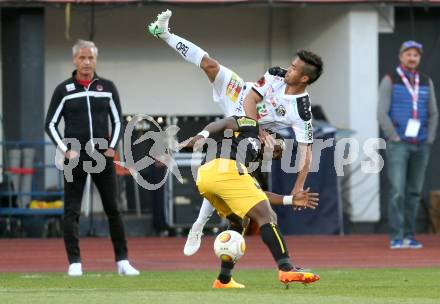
205 214
188 50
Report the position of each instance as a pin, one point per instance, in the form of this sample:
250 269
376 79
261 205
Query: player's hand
188 143
110 153
195 142
266 139
199 141
305 199
71 154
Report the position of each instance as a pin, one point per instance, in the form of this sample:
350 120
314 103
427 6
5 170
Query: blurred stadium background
344 240
358 41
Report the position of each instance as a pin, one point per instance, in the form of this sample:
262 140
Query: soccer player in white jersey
281 107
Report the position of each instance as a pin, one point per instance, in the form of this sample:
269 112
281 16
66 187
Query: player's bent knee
210 66
274 217
261 213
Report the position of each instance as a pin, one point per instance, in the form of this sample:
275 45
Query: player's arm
250 108
304 135
250 104
305 159
228 123
302 199
259 90
256 95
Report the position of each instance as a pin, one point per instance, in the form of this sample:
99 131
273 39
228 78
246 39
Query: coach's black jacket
85 112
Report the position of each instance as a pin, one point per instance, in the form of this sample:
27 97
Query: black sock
271 236
238 229
235 223
226 272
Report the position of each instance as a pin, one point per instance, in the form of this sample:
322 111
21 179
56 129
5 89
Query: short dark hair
313 64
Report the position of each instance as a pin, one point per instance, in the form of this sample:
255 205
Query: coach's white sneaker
193 242
125 269
75 270
159 28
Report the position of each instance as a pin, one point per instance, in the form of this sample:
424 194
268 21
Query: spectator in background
86 102
407 114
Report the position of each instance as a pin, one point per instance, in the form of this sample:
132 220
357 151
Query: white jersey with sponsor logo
278 111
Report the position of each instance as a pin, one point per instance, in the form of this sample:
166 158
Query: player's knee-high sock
226 272
238 229
188 50
226 268
271 236
205 214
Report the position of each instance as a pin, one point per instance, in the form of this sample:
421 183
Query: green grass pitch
343 286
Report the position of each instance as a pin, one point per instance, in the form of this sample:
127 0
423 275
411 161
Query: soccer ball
229 246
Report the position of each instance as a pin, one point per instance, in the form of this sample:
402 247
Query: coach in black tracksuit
86 101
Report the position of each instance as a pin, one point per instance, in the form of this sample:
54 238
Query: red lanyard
414 91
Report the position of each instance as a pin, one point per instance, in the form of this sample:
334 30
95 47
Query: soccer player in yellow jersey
223 179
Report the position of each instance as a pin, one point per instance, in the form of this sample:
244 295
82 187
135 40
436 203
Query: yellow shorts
226 189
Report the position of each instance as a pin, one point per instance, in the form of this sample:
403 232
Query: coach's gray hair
82 44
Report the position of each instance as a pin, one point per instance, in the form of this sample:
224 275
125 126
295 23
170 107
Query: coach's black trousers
105 182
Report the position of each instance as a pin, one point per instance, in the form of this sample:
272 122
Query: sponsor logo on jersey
260 82
234 87
99 87
273 102
281 110
70 87
309 131
246 122
261 110
182 48
270 90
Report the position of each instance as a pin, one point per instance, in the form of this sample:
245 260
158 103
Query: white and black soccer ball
229 246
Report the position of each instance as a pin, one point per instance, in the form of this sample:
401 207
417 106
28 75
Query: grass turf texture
336 286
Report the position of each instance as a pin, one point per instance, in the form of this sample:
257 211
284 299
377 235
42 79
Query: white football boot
193 242
159 28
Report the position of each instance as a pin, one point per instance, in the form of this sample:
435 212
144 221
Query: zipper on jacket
90 113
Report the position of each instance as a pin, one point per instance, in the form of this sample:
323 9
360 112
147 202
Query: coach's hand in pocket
110 153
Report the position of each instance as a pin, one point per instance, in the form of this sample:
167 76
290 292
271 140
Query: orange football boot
231 284
295 276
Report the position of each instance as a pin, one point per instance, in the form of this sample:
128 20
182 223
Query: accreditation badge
412 127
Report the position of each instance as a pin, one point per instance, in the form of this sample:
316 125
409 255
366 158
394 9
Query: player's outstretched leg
188 50
287 273
194 238
224 279
274 240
